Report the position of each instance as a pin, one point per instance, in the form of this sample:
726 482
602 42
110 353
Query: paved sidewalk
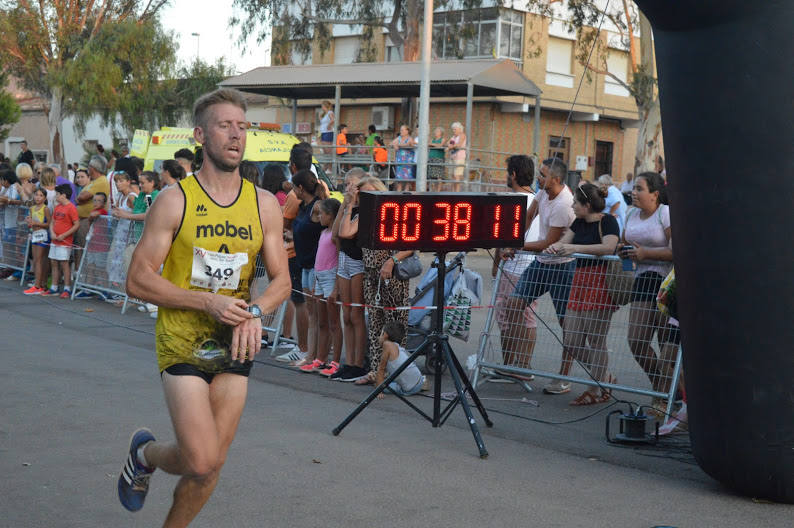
77 382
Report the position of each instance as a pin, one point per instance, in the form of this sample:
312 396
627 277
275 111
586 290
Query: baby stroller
460 285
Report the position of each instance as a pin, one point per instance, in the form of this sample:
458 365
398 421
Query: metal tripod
437 343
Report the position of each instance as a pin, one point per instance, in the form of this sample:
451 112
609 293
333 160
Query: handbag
457 321
618 281
408 268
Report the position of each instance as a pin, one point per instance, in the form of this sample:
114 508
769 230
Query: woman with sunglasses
590 308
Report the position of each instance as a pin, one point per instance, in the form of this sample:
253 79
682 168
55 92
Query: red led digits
444 222
497 216
461 227
417 208
517 223
441 221
384 211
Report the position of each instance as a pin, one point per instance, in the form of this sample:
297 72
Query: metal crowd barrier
15 245
485 168
599 336
106 257
272 322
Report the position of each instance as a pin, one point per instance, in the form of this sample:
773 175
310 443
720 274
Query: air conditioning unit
383 117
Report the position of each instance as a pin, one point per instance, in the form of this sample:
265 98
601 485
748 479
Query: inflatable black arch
727 99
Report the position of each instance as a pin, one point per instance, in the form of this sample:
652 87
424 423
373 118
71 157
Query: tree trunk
649 137
413 36
54 122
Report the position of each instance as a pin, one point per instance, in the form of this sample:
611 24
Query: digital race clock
442 221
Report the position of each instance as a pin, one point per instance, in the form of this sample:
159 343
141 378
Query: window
298 58
394 53
559 147
558 62
345 50
618 65
479 33
603 158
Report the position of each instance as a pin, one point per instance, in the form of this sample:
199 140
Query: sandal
607 393
588 398
366 380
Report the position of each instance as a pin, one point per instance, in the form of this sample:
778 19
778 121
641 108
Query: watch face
255 310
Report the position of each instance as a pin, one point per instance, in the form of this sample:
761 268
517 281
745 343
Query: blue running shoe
134 478
84 295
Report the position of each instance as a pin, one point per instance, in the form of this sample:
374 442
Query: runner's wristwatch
255 310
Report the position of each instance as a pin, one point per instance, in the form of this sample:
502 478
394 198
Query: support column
536 138
337 120
469 135
424 100
294 115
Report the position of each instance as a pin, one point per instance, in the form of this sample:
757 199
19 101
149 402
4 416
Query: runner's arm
143 278
247 336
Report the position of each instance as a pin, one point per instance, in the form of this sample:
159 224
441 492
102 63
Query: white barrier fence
600 342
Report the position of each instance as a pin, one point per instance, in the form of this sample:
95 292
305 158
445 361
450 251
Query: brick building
602 133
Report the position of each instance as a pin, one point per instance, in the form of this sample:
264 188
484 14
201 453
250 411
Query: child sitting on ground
39 224
410 381
65 223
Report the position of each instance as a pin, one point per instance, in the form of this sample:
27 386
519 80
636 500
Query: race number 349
217 271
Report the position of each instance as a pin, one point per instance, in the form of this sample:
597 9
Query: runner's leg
205 419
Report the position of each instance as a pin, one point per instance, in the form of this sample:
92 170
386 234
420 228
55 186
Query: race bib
39 236
217 271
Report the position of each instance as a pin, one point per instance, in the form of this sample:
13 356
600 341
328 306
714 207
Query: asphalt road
78 377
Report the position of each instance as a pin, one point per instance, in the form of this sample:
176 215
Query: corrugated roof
393 79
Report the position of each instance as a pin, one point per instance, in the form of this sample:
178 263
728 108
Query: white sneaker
292 355
557 387
151 307
153 315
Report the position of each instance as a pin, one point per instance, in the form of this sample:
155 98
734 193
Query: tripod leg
380 388
469 387
456 377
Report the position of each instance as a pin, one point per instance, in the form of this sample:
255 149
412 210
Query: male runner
207 231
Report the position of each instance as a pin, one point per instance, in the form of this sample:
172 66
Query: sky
210 19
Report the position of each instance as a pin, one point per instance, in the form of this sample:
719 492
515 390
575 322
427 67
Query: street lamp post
198 39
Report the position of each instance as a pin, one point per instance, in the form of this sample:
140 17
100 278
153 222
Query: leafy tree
626 21
9 109
190 81
84 55
305 23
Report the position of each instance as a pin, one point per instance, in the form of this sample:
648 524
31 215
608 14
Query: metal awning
381 80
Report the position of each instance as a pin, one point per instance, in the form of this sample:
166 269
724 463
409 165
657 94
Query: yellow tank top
37 213
214 250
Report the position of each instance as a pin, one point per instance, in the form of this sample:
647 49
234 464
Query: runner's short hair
208 100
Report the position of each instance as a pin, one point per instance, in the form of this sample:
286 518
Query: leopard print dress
392 293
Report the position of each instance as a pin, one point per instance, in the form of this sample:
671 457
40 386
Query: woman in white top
327 120
457 146
647 240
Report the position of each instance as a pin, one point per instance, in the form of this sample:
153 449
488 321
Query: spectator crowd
342 292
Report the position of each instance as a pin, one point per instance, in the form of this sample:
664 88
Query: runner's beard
219 163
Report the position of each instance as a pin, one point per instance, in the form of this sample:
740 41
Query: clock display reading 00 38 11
441 221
